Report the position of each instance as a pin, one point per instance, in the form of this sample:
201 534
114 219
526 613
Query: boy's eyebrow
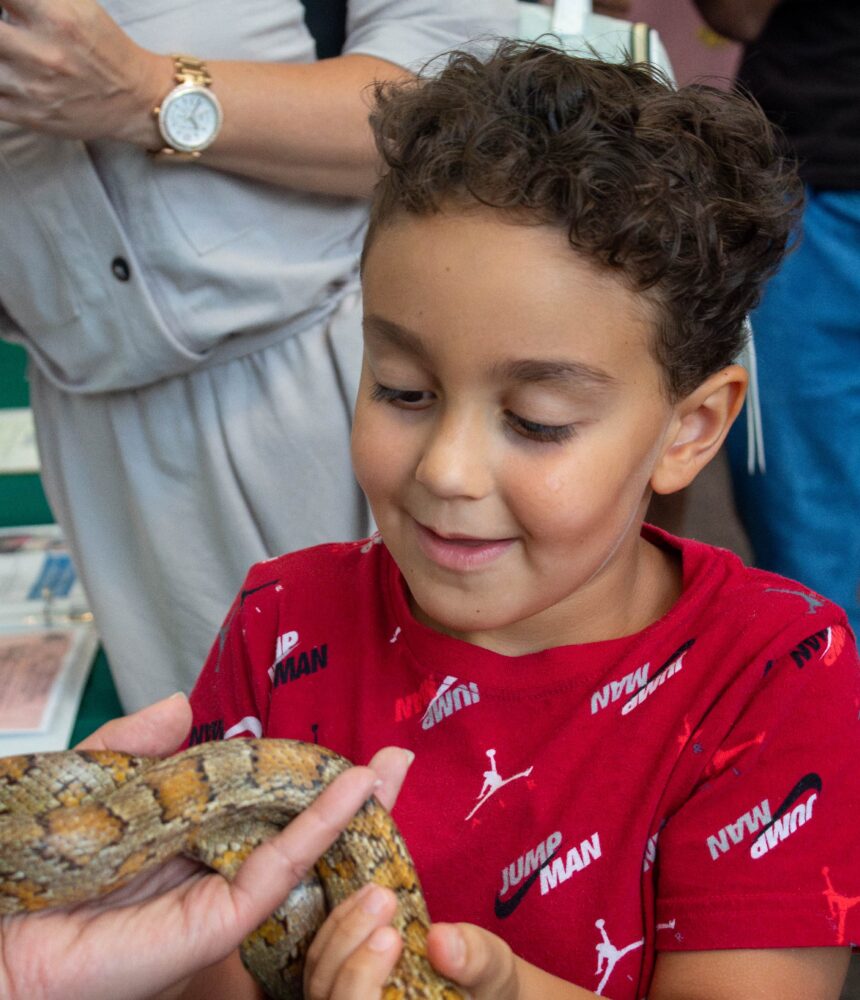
395 334
554 371
517 370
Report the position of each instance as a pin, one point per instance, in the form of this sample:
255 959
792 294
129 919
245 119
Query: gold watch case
190 116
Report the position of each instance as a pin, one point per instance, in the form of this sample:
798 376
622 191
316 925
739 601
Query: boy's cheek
368 451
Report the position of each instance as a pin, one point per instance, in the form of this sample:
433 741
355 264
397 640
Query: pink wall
694 49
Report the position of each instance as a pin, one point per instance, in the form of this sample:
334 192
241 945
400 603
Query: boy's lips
461 552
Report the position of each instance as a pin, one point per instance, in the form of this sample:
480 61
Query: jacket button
120 268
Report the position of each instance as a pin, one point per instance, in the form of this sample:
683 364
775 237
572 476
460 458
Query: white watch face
190 118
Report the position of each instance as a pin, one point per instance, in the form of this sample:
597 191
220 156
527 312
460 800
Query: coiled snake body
77 824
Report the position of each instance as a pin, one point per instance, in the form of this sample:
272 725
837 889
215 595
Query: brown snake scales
77 824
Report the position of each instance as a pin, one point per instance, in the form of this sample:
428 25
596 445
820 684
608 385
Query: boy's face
509 418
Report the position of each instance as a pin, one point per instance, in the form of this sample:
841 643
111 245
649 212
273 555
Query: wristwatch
190 116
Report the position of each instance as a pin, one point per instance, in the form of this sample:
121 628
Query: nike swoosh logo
679 652
504 908
811 780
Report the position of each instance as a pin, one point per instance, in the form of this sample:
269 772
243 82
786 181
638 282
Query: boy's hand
356 949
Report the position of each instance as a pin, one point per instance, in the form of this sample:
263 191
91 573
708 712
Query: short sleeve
227 699
411 32
765 852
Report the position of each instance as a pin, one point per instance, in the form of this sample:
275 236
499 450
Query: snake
77 824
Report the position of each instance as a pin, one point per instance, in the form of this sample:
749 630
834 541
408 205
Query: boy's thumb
475 959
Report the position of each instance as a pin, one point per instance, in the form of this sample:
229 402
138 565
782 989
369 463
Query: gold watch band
189 69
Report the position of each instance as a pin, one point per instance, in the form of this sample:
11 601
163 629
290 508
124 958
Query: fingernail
456 946
374 901
382 939
408 755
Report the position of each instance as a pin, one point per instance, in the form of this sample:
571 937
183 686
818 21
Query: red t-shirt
692 786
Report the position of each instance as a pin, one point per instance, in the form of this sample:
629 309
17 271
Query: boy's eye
406 398
417 399
550 433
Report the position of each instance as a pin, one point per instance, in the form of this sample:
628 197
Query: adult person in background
188 293
801 62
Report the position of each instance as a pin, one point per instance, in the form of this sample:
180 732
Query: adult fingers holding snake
154 731
148 936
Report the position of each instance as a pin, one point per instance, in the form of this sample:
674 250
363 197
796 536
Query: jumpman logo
285 644
493 781
608 956
375 539
810 599
839 905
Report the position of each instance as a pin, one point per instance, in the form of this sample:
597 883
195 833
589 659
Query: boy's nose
455 460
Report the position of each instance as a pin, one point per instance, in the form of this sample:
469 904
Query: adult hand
160 929
66 68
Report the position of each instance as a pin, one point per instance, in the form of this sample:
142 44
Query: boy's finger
365 971
153 731
329 927
346 929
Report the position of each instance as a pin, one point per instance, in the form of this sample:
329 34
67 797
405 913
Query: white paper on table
19 453
38 580
42 676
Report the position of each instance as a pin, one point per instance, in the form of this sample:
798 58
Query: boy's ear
698 428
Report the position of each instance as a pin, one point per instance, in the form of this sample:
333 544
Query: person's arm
741 20
490 971
66 68
762 974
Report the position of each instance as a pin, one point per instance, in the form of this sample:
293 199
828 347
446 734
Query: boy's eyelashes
548 433
407 398
416 399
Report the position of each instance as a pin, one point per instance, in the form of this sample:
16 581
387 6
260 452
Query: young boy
635 757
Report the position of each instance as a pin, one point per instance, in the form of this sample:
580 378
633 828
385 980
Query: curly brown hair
684 192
